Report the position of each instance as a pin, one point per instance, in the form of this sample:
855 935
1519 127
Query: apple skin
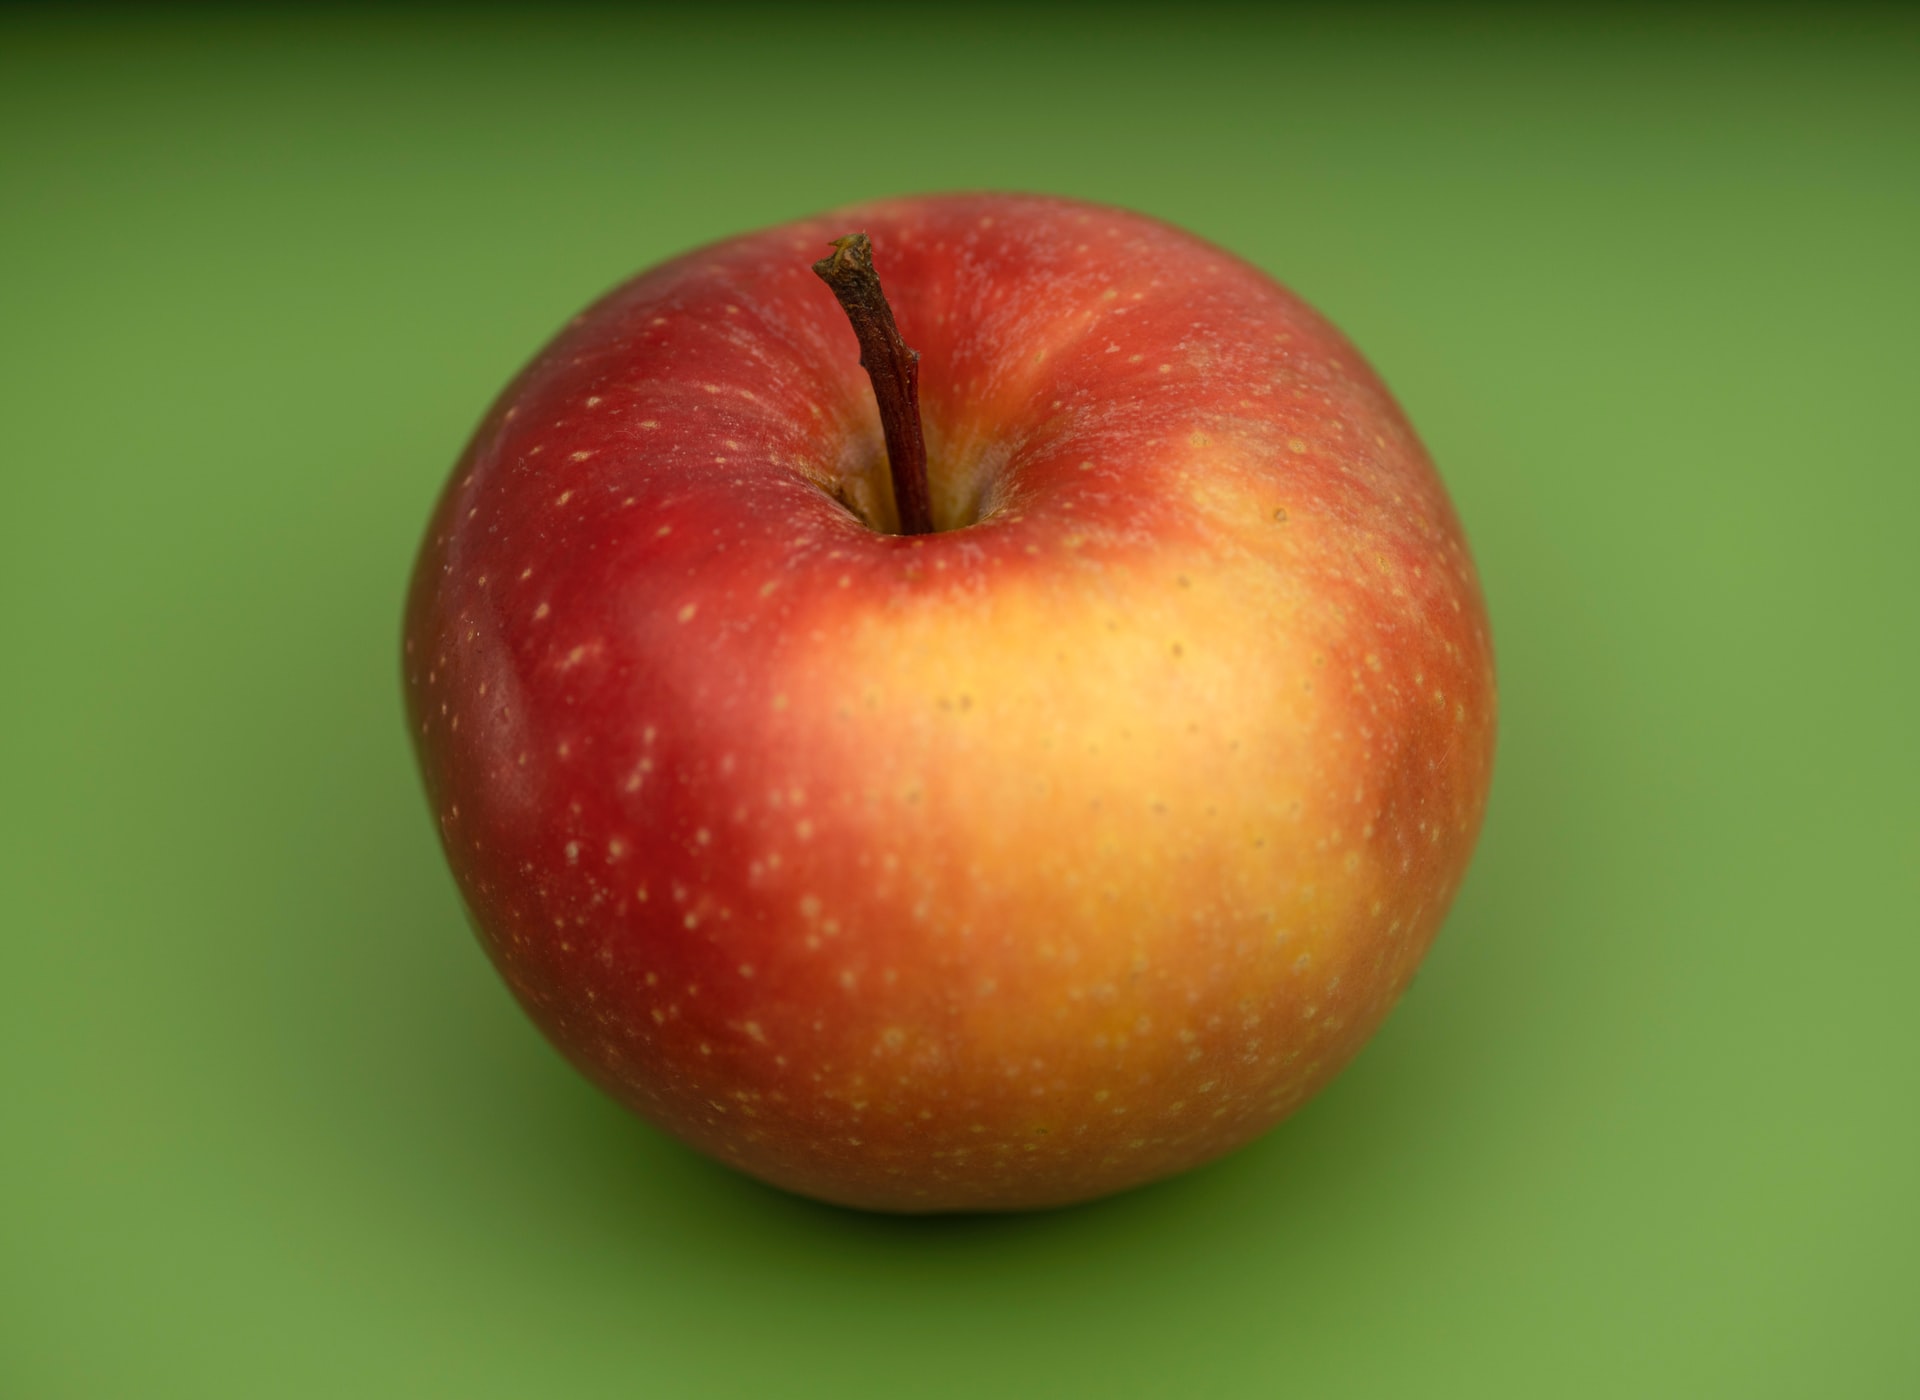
996 868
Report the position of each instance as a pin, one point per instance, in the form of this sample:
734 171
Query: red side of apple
1002 867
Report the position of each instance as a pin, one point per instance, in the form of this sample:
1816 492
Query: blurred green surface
1647 1124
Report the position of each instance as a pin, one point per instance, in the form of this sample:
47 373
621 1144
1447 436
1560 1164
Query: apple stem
894 370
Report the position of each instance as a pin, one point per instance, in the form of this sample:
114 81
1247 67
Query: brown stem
894 370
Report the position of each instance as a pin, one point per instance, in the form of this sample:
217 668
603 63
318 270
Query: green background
1646 1125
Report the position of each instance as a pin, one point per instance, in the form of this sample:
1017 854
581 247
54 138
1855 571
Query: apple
1065 844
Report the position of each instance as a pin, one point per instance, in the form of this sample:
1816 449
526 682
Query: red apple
1056 851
